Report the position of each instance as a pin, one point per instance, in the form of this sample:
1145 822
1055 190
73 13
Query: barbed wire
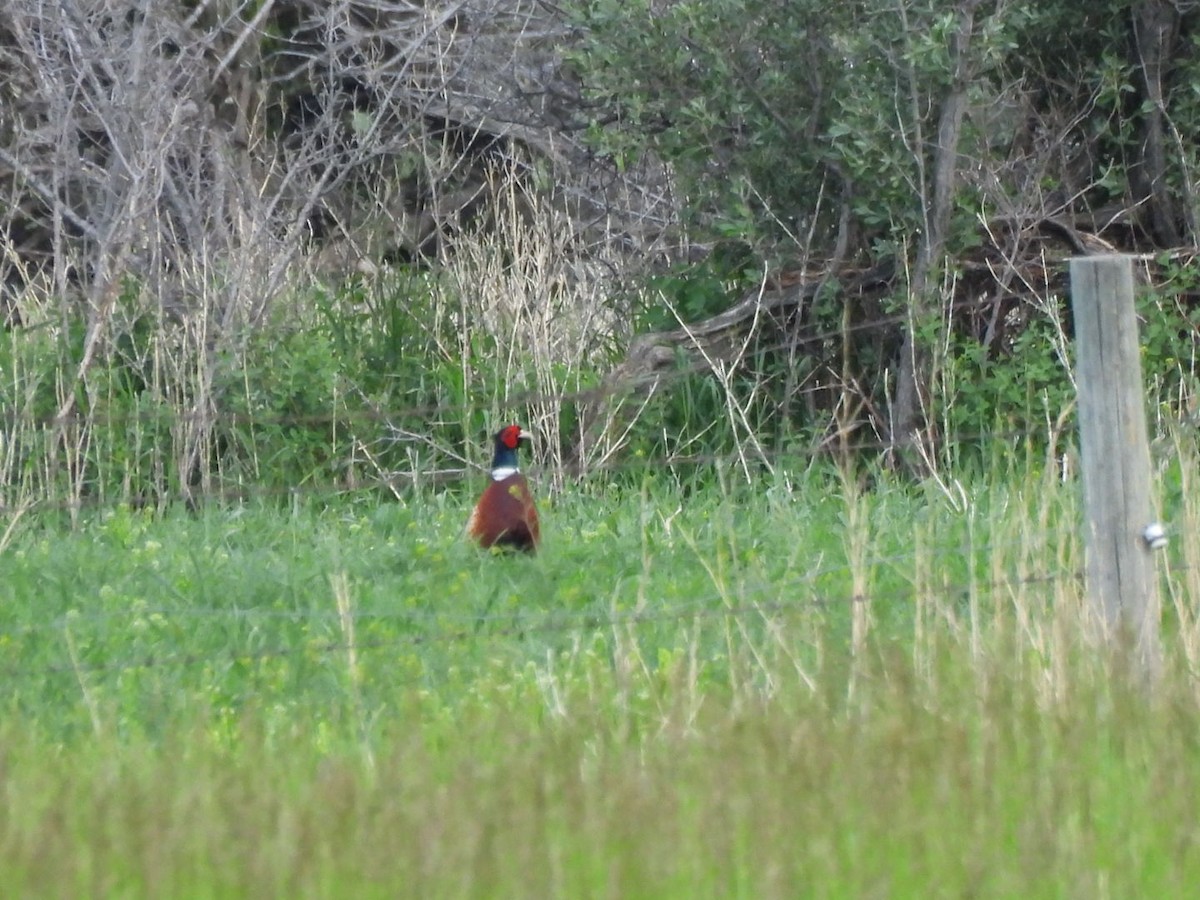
169 416
80 617
390 481
552 624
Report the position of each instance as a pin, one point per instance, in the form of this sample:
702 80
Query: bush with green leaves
811 134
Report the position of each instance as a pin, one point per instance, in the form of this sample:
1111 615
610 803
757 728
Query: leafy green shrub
1015 395
115 439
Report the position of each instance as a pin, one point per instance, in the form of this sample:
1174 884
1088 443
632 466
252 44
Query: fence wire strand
811 577
490 627
422 411
550 625
389 482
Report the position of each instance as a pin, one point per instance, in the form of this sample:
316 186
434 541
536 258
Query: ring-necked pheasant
505 515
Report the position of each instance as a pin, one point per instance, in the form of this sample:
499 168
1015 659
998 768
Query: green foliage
370 358
31 361
399 367
283 399
723 90
771 113
413 347
1014 393
251 702
757 103
779 399
1169 322
689 294
116 438
1024 391
187 617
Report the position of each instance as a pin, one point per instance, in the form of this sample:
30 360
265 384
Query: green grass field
766 691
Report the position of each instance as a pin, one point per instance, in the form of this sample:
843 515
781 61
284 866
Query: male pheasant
505 515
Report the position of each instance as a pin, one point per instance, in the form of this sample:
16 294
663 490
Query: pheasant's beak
525 435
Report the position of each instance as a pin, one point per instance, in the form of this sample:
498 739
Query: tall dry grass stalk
532 287
1182 565
857 537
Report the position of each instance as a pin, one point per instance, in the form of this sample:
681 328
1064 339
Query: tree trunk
1155 36
908 409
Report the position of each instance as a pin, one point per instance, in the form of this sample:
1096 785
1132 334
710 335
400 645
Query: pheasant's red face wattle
511 436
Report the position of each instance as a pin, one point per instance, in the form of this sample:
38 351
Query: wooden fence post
1115 454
